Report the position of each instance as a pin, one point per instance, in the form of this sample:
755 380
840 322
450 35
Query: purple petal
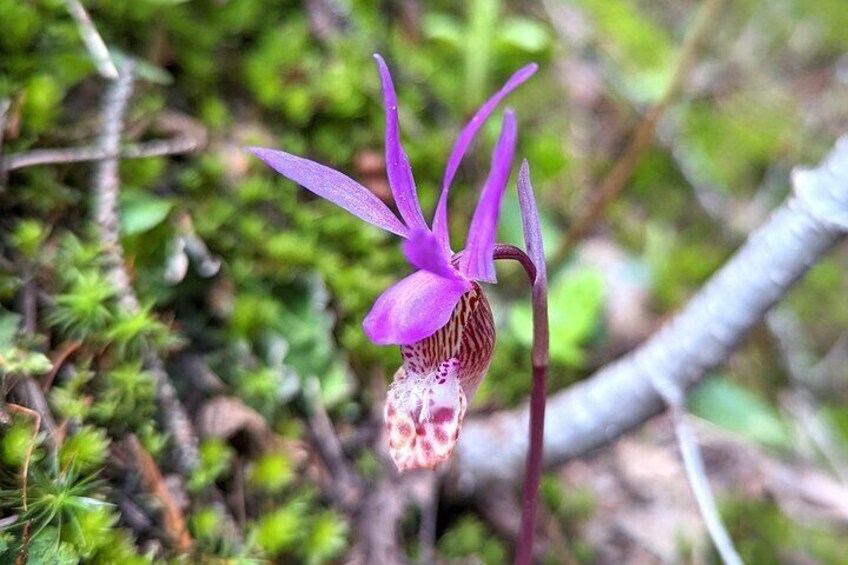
466 136
333 186
397 163
477 261
530 222
423 251
413 308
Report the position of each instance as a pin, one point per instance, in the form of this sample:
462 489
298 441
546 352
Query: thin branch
690 452
36 417
346 485
795 353
643 135
106 188
93 42
621 397
58 359
26 390
674 396
5 104
27 393
154 484
156 148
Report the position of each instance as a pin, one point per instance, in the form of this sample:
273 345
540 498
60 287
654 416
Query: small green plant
82 312
64 513
470 537
215 459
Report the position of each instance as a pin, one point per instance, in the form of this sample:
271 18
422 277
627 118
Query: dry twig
36 417
643 135
346 484
57 361
154 483
106 189
26 389
188 136
93 41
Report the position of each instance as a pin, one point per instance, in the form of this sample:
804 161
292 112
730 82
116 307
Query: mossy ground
279 321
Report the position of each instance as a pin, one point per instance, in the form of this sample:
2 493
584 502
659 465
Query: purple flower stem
541 338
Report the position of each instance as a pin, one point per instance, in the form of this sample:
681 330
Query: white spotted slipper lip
428 398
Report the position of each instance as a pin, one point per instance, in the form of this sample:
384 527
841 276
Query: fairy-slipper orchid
438 314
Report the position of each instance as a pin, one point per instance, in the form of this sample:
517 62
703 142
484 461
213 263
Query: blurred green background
279 322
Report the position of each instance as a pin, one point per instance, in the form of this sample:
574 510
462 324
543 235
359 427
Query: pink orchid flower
439 314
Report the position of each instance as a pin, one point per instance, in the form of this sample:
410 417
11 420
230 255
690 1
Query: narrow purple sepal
478 261
423 251
531 223
398 169
333 186
463 141
413 308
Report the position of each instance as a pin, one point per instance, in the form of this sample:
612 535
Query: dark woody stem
541 338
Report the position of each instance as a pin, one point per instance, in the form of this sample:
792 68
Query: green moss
272 472
326 538
86 449
763 534
16 442
469 537
284 313
215 462
206 523
281 529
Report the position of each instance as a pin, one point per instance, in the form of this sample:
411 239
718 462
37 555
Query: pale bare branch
93 42
693 463
620 397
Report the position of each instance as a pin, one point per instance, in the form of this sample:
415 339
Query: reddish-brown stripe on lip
469 336
443 370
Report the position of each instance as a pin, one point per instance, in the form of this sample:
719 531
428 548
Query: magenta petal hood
429 311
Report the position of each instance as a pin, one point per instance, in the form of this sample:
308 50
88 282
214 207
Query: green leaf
727 404
574 304
28 237
45 548
215 462
307 326
144 70
526 34
9 324
140 213
16 441
443 28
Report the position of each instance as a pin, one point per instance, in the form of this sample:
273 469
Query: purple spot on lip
440 435
442 415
